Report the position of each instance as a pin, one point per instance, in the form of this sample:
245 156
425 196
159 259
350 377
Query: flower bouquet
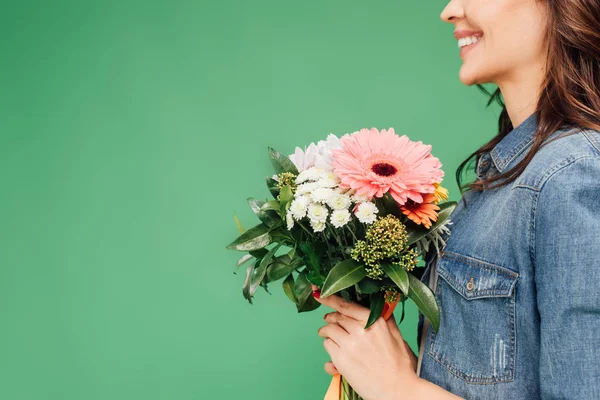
350 215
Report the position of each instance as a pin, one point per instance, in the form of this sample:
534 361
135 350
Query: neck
521 94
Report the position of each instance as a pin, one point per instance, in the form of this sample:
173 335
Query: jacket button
470 284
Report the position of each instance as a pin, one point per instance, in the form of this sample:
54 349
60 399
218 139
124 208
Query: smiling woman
509 328
518 301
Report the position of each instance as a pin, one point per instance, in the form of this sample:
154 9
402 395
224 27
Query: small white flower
305 188
311 174
289 220
321 195
339 201
340 218
360 198
317 212
329 181
366 212
299 207
317 226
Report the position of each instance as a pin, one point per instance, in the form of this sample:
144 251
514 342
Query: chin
469 77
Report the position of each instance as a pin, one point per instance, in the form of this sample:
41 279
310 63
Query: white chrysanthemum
321 195
329 180
304 159
339 201
306 188
317 212
324 158
317 226
289 219
316 155
366 212
360 198
340 218
311 174
299 207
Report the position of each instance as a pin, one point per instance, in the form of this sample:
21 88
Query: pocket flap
475 279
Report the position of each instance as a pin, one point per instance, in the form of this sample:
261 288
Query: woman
518 282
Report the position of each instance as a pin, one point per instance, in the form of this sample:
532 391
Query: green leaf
285 199
398 274
263 284
261 270
303 292
377 302
246 285
309 304
267 216
253 239
258 253
244 260
273 205
369 286
424 299
343 275
238 224
278 270
273 186
281 235
402 316
281 163
282 266
387 205
288 288
419 232
313 264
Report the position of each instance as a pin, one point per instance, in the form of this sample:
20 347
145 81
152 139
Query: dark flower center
384 169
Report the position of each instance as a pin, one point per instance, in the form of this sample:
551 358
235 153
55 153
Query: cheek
512 28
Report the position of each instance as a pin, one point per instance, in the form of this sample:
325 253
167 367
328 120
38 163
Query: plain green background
129 134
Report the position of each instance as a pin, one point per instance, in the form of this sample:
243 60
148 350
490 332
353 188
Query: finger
393 327
331 347
339 304
330 368
334 332
350 325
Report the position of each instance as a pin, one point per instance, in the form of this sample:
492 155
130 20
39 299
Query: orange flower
422 213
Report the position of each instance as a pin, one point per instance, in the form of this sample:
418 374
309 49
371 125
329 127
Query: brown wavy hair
570 92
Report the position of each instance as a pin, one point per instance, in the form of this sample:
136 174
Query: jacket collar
511 145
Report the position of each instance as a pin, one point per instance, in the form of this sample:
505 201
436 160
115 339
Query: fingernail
325 316
316 294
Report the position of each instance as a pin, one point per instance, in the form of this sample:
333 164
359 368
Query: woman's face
506 36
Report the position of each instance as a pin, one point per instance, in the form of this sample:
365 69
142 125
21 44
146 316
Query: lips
462 33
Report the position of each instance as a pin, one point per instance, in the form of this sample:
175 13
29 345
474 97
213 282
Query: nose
454 10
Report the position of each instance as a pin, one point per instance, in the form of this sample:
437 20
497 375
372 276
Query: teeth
462 42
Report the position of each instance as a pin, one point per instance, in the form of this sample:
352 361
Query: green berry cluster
408 260
386 239
287 178
389 293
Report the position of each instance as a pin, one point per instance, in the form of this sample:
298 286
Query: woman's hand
377 362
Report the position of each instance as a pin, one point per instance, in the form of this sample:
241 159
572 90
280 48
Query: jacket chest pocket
476 339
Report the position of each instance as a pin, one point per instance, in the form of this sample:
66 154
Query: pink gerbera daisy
375 163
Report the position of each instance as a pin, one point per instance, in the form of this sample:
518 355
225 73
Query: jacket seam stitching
592 139
546 177
480 264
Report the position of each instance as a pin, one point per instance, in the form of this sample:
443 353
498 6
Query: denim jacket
518 280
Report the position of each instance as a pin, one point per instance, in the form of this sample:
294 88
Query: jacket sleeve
567 278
